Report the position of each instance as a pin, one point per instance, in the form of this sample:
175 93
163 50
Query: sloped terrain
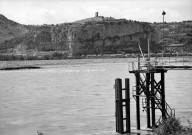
10 29
175 33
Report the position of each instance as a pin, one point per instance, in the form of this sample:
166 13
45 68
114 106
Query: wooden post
148 99
138 99
116 106
127 97
163 95
119 108
152 100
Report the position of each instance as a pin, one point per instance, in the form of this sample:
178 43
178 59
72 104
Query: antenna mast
163 35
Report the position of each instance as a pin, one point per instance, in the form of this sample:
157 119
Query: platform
158 64
154 70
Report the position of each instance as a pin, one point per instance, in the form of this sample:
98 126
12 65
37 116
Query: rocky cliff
109 35
89 36
102 35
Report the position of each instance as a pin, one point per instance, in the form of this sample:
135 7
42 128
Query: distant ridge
94 35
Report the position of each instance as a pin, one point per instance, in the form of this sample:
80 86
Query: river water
77 99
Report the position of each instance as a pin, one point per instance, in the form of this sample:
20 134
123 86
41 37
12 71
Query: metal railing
170 61
182 61
142 65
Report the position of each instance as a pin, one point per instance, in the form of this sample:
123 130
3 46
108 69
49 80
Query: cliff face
88 36
95 37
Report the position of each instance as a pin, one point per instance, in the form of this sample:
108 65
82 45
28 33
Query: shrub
11 57
47 57
172 126
58 55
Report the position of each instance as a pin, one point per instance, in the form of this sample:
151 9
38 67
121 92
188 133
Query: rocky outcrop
89 36
93 37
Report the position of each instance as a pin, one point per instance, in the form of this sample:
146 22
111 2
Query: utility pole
163 34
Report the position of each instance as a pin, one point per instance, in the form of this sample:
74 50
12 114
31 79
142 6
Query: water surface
76 98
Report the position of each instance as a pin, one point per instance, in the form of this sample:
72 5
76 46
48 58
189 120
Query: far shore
37 64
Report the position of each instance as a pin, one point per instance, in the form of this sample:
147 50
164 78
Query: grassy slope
175 32
10 29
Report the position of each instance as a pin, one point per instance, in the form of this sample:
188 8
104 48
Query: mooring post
153 100
127 97
163 95
148 100
116 106
119 108
138 99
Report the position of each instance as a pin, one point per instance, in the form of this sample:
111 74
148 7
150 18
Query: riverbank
43 63
63 55
29 64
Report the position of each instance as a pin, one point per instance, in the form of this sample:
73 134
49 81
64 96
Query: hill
94 35
10 29
175 33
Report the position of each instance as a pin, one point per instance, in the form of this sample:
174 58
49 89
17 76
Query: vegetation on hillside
175 33
50 56
10 29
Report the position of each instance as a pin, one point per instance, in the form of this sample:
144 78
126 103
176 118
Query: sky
61 11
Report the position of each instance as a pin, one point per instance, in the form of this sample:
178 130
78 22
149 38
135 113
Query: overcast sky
60 11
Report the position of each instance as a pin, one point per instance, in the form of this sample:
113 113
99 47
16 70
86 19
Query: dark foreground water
76 99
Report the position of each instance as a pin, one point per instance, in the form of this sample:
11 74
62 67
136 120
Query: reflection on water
75 99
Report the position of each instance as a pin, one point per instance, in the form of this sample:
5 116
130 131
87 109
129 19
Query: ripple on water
79 99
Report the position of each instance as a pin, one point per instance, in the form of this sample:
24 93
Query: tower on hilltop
96 14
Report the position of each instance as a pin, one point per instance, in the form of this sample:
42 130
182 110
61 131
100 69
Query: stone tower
96 14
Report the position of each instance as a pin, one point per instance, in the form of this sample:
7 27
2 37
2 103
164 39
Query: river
77 97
